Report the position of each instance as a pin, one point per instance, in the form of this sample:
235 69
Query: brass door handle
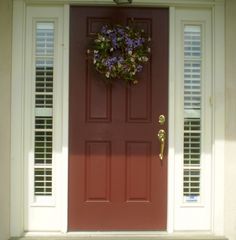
162 137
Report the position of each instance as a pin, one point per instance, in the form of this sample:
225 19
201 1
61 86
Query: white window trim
30 118
18 110
187 215
22 123
46 212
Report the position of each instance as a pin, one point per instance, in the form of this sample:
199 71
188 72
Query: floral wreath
119 52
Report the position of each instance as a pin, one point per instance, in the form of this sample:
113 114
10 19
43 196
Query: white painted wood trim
193 216
150 3
17 119
171 123
17 157
65 120
219 116
43 213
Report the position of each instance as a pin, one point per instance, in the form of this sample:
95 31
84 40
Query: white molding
17 119
171 123
65 121
150 3
18 111
219 116
43 213
200 212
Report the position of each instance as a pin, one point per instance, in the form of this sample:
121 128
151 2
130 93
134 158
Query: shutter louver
43 134
192 113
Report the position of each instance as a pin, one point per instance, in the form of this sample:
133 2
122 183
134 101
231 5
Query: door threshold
119 235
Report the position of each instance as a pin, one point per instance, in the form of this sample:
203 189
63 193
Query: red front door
116 178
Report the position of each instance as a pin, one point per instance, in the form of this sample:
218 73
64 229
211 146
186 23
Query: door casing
20 88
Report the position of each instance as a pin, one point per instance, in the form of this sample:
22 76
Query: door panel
116 179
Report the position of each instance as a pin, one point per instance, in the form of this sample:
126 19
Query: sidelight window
43 120
192 113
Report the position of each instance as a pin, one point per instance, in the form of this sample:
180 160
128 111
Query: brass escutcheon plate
162 119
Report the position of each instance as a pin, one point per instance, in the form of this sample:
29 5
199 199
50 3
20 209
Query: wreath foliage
119 52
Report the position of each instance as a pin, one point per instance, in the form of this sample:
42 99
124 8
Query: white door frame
20 123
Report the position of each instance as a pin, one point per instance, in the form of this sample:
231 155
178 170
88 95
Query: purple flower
129 42
139 68
104 29
138 42
114 43
120 31
110 62
96 55
120 59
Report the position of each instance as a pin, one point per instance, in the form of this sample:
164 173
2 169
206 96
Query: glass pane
192 113
43 133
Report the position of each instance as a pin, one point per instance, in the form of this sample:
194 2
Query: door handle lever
161 137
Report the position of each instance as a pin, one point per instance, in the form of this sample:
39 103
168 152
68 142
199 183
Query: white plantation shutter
192 113
43 133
